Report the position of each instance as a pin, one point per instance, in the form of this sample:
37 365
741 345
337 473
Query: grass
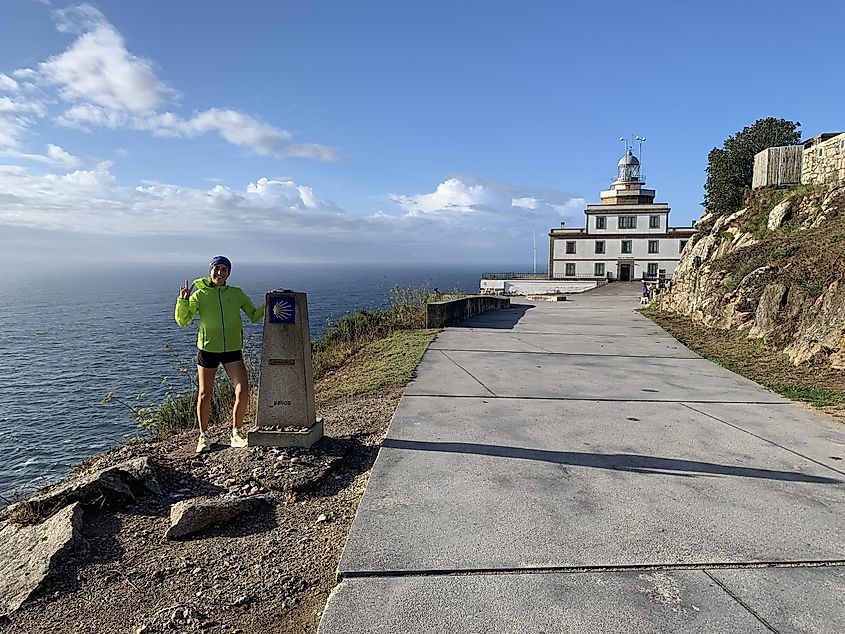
386 362
817 396
822 387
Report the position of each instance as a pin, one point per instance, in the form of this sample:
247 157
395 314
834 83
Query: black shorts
213 359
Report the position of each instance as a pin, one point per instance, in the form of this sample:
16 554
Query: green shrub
405 310
744 270
786 252
811 287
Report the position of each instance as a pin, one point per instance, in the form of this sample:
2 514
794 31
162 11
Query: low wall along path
570 467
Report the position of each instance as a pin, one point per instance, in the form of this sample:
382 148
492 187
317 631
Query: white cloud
288 194
104 85
25 74
236 128
57 154
15 119
79 19
8 84
91 201
97 68
84 115
452 195
9 106
470 195
279 215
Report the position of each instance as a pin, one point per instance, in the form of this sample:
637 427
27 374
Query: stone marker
286 411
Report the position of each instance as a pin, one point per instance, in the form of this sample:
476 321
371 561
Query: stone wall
824 162
442 314
537 287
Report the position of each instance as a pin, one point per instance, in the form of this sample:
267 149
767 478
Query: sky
376 131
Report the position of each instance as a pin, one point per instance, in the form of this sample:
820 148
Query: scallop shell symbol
283 310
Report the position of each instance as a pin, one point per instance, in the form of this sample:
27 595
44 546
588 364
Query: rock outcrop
27 554
117 484
775 269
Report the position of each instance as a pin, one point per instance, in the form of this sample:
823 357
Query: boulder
27 553
822 332
779 214
191 516
113 485
751 288
768 308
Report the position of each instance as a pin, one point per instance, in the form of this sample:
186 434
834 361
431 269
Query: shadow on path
617 462
502 319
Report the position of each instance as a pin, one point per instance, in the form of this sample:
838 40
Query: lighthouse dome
628 159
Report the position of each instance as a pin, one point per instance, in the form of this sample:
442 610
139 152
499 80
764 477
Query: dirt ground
271 571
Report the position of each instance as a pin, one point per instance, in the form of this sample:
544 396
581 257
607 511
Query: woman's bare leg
240 379
206 388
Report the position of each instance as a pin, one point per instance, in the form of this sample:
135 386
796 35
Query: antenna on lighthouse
534 239
641 139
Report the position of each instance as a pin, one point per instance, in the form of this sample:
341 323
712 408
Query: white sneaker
203 444
238 440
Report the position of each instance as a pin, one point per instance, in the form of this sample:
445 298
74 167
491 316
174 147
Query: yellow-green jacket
221 329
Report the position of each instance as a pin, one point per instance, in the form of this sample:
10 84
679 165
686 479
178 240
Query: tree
730 169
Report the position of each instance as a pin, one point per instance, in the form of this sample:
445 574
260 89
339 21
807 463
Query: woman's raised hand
185 291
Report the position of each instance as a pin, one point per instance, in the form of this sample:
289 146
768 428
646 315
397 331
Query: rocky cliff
775 269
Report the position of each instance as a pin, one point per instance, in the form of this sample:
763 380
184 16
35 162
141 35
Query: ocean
71 335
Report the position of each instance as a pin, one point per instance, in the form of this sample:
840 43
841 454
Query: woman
219 340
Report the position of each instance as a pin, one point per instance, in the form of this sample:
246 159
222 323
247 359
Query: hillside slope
774 270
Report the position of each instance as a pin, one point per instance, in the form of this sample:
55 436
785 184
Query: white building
626 237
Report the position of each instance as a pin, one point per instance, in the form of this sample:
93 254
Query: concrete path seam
661 333
492 393
771 442
527 343
597 399
462 572
747 607
569 354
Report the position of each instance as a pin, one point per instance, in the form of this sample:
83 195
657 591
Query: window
626 246
652 269
601 222
570 247
599 269
653 246
842 144
682 245
654 222
627 222
570 269
820 152
599 246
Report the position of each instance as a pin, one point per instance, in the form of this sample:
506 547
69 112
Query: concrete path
570 467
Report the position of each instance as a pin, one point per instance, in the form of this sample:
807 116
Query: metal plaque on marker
281 309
